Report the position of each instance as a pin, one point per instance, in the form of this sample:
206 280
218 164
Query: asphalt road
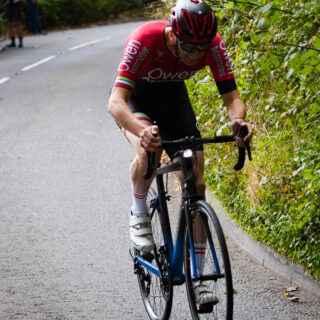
65 193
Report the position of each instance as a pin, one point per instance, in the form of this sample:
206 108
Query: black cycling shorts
168 106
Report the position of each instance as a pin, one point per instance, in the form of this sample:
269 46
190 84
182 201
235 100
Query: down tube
164 214
177 257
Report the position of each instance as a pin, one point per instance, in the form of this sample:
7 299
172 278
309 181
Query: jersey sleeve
134 56
220 66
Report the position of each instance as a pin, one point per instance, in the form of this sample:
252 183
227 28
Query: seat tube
190 195
191 239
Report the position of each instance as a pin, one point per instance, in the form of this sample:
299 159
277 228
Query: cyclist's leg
197 172
199 235
139 165
140 226
182 122
179 122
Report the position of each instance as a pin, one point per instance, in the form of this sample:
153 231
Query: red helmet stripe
198 23
211 22
187 18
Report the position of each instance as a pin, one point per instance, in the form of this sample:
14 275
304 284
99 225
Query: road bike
172 264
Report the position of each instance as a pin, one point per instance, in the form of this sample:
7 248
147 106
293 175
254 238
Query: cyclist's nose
195 53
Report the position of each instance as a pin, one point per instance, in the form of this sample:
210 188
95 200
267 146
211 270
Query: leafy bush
3 26
275 48
63 13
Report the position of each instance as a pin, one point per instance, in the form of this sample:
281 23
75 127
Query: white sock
200 253
139 203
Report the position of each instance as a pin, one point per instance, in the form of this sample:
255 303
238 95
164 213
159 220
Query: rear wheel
156 291
216 274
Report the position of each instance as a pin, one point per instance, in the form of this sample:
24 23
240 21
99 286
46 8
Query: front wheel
156 291
213 269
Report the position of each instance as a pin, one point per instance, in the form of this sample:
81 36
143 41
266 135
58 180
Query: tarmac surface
65 194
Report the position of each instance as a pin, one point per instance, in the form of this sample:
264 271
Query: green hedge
3 26
275 47
64 13
57 13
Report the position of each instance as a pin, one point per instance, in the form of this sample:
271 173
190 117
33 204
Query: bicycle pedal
205 308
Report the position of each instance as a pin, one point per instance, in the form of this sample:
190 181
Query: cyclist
149 100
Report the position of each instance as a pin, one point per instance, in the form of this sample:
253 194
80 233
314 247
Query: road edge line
263 254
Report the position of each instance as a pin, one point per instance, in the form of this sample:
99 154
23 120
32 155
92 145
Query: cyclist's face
190 58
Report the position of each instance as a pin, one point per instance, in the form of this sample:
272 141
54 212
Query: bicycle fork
213 274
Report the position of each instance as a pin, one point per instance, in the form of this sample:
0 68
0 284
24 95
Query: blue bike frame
176 252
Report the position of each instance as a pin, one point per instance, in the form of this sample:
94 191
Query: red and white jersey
147 57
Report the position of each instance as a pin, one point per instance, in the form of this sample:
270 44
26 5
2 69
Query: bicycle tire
156 293
221 287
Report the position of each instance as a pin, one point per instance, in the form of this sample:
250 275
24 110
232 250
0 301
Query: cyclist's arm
237 113
235 105
120 111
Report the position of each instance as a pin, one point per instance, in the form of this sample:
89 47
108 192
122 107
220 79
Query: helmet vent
187 19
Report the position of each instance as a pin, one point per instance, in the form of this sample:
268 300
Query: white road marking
3 80
85 44
38 63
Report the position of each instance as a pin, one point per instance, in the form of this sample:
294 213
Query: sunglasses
192 47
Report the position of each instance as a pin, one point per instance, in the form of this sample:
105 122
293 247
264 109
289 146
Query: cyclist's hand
235 127
150 138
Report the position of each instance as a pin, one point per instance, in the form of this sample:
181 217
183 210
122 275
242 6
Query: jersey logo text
158 74
131 52
218 57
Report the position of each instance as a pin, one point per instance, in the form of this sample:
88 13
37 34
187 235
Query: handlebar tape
242 150
242 156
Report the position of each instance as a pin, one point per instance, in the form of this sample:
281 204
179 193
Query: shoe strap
140 225
201 289
203 295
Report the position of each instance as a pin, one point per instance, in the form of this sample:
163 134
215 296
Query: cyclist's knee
140 160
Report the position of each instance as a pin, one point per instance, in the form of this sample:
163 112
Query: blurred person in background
13 17
34 23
